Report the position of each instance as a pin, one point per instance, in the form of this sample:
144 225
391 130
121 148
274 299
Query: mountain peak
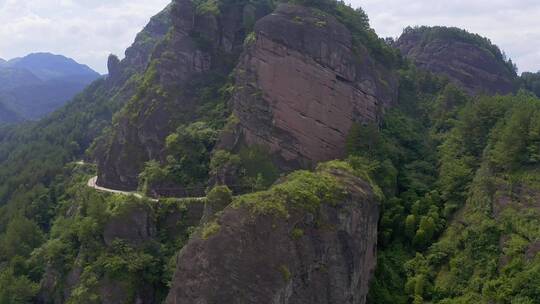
469 60
49 66
38 83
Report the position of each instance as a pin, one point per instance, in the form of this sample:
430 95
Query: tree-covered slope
48 200
34 153
444 183
461 178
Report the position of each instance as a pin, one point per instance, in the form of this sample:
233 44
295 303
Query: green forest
458 178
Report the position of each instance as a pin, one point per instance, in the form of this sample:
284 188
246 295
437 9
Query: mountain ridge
39 83
202 117
471 61
48 66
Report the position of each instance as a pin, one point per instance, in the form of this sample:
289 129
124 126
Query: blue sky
89 30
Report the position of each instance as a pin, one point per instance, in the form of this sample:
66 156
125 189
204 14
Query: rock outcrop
134 227
199 46
302 84
138 55
468 60
326 256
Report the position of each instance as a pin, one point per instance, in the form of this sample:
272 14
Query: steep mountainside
315 51
198 54
429 195
327 256
65 135
38 84
469 60
302 84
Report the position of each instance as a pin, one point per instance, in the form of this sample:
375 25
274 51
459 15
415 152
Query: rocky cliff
201 46
469 60
302 83
273 248
137 56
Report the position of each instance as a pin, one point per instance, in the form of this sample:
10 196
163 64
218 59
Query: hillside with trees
258 152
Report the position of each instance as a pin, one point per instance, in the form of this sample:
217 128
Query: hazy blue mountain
47 66
37 84
7 115
11 78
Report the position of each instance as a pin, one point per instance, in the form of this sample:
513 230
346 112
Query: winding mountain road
92 183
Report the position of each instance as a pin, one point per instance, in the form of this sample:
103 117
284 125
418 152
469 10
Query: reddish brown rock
468 60
199 46
301 85
325 258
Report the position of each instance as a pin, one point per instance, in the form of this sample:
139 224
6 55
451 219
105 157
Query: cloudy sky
85 30
513 25
89 30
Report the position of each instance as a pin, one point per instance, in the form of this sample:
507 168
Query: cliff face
468 60
324 256
200 45
301 84
139 53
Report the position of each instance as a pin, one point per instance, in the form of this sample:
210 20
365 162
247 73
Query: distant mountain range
39 83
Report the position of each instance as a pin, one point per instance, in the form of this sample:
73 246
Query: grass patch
302 190
285 272
210 229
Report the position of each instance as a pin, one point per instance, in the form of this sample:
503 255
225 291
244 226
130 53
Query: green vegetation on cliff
460 180
429 34
457 177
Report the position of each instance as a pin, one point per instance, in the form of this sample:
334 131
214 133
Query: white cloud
86 30
512 25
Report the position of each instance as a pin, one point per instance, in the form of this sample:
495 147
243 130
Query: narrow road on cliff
92 183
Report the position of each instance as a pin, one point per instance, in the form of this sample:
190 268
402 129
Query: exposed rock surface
468 64
256 258
302 84
199 45
138 55
134 227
